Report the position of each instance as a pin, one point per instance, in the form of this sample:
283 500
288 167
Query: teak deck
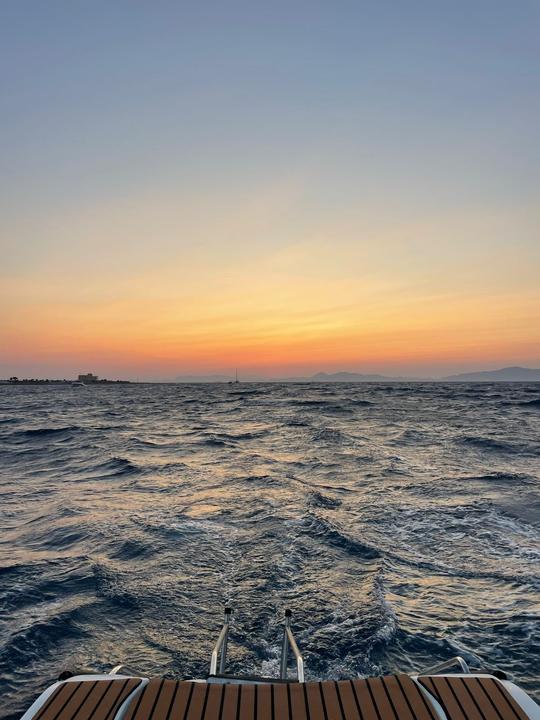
372 699
473 698
396 697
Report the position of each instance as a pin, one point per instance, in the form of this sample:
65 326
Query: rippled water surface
401 524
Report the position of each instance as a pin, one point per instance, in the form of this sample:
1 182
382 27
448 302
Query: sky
285 187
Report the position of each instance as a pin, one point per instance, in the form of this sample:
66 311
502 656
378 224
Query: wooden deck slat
298 701
81 697
59 690
58 700
165 699
420 706
388 698
487 707
76 701
281 702
115 696
247 703
469 707
264 702
449 703
402 708
88 700
380 698
142 706
331 701
476 698
230 702
213 702
346 694
196 704
364 700
314 701
180 701
499 687
100 696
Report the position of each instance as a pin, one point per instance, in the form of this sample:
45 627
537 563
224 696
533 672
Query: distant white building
88 378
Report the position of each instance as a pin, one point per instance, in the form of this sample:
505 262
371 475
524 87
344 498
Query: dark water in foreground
401 523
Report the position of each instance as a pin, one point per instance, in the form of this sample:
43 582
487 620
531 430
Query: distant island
508 374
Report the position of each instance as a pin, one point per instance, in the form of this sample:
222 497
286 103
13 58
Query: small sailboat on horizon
236 381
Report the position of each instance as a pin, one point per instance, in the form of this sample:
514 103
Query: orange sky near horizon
387 305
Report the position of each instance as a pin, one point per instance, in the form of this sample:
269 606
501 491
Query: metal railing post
436 669
221 645
285 646
223 657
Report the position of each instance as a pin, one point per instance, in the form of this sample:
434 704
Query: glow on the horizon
297 315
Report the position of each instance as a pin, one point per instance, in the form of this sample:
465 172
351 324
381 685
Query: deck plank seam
205 703
466 685
375 706
456 698
427 705
118 700
188 703
319 684
390 700
98 703
222 702
399 686
130 714
156 699
308 717
341 688
238 700
340 701
444 704
85 698
289 702
50 700
502 691
437 695
483 690
328 686
357 701
171 704
77 685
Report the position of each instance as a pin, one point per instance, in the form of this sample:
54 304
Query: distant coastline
37 381
508 374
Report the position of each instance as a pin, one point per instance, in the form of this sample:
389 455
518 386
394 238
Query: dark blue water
401 524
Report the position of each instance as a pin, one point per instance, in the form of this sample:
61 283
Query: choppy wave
401 523
488 444
531 403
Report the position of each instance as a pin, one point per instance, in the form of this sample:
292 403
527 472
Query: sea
400 523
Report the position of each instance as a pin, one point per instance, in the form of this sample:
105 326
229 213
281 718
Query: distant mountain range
508 374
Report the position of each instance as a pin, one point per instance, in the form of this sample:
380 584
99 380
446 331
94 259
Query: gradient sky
286 187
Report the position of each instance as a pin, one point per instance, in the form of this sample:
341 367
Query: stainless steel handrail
221 644
436 669
288 639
